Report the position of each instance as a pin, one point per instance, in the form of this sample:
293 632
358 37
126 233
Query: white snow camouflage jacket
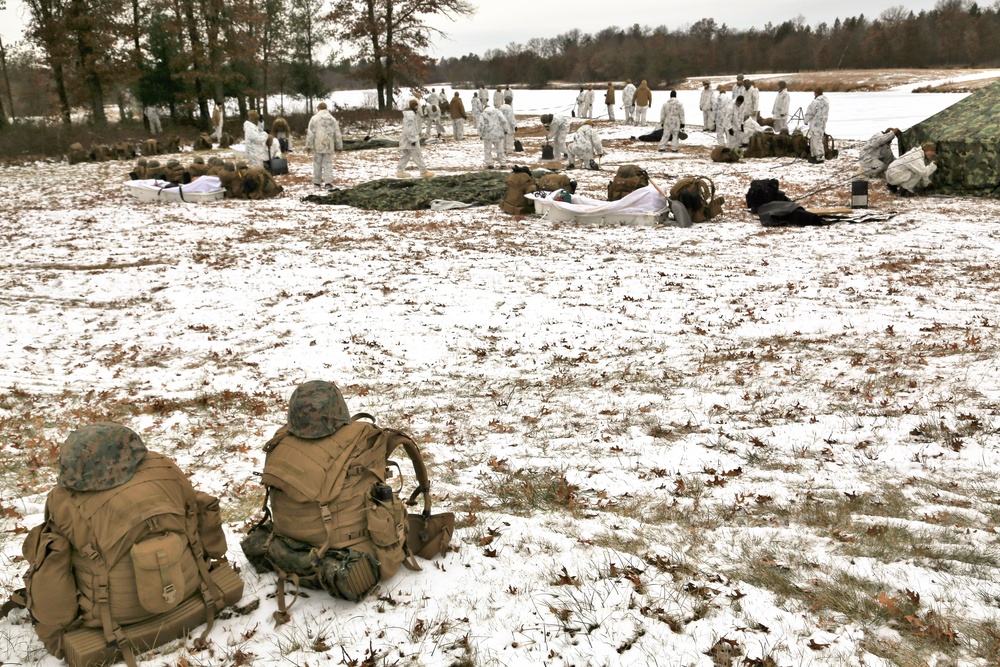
493 125
323 133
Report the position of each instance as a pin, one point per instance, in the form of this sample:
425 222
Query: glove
731 133
682 126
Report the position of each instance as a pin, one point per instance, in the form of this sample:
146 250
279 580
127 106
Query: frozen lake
852 115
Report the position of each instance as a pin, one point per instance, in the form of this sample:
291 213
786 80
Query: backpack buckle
169 593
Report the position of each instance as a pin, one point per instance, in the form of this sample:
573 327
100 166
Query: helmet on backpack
99 457
317 409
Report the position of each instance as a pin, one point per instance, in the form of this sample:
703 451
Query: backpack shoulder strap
397 439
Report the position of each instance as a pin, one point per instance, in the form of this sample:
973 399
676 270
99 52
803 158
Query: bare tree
391 35
47 28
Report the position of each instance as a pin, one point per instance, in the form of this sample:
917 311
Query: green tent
967 135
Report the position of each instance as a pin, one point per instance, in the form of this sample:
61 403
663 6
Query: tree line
185 55
954 33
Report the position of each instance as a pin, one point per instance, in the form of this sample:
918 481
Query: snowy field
722 445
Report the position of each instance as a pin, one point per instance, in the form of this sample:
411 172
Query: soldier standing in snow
672 120
457 110
707 105
816 116
628 100
493 128
324 139
780 109
643 99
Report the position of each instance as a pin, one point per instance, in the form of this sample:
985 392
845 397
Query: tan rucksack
139 563
830 150
697 194
519 183
332 522
554 182
77 153
630 177
725 154
258 183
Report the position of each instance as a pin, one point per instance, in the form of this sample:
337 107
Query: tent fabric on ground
478 188
374 142
967 135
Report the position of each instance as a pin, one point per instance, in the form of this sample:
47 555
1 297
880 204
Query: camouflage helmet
99 456
317 409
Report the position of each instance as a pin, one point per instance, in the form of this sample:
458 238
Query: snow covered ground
723 445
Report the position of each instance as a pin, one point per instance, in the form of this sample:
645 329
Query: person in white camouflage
628 101
588 102
733 123
493 127
508 112
780 109
409 143
876 153
434 117
815 117
256 141
477 108
722 111
751 101
706 103
323 138
557 128
672 121
740 89
912 170
586 147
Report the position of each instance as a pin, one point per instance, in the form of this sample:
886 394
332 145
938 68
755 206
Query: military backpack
140 566
519 183
630 177
332 521
697 194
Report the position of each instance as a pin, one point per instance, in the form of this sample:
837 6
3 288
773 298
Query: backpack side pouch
159 571
213 538
431 536
387 529
50 586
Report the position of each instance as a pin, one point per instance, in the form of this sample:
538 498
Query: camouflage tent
478 188
967 135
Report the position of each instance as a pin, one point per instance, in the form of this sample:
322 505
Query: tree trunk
389 43
6 79
196 60
60 79
80 24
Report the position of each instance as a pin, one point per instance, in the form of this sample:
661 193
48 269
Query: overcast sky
500 22
497 23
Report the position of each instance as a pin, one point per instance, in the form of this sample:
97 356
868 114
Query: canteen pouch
387 527
159 575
